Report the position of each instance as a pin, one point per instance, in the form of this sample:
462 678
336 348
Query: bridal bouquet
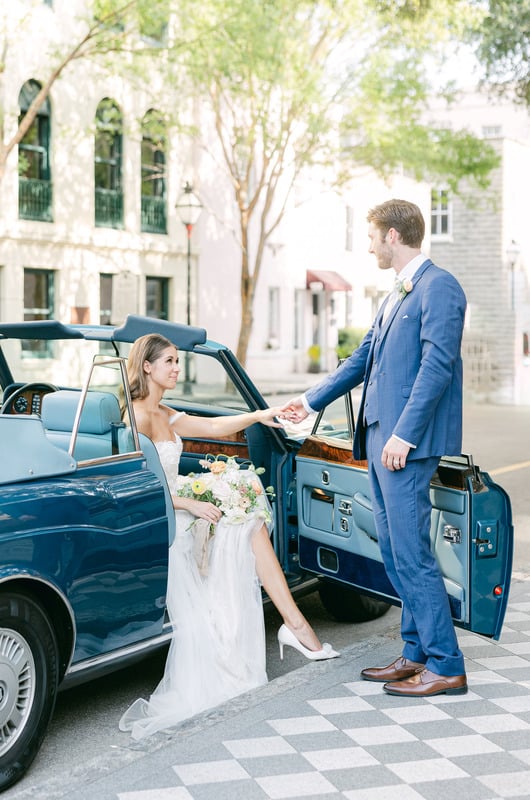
237 492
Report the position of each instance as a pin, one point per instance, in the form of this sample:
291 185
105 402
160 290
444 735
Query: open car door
471 528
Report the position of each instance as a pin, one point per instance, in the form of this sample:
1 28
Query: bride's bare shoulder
143 419
172 415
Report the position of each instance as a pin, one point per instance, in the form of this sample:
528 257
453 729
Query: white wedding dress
218 645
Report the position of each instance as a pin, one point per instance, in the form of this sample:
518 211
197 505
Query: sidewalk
288 385
319 732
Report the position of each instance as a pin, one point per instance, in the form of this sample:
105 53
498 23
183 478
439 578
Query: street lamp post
189 209
513 251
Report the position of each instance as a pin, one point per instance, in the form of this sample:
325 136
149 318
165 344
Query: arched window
108 166
34 174
154 217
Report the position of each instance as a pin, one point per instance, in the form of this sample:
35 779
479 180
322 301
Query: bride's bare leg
273 580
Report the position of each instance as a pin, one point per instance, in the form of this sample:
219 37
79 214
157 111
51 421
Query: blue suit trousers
402 511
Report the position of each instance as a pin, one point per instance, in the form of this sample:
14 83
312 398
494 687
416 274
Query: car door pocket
330 512
321 510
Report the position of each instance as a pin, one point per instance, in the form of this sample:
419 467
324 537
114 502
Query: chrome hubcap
17 686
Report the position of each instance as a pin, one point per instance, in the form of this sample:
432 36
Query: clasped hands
395 452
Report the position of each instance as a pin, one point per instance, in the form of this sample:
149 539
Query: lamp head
188 206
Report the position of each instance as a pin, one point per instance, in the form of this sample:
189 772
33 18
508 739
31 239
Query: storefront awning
331 281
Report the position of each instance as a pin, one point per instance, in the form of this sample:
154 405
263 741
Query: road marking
509 468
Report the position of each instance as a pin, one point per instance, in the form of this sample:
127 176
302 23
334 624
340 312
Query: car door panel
100 535
491 557
471 532
119 558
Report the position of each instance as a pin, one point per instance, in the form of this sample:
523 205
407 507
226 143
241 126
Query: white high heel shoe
287 637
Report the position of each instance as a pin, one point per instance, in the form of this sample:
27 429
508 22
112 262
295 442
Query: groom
410 415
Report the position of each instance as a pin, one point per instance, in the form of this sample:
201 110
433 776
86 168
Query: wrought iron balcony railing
35 199
109 208
154 214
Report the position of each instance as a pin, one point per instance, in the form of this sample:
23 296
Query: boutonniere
404 287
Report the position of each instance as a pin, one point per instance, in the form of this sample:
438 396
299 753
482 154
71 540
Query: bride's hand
208 511
267 417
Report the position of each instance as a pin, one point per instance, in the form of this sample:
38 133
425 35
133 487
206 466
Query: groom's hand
394 454
293 410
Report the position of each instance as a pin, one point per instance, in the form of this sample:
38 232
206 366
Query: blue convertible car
86 518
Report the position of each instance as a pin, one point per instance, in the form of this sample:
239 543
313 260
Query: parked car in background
86 519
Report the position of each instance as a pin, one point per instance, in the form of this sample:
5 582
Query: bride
218 645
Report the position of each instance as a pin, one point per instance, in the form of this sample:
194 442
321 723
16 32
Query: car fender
52 599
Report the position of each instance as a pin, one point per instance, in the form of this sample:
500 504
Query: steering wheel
17 403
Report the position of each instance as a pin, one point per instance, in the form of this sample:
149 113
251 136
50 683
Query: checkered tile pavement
337 738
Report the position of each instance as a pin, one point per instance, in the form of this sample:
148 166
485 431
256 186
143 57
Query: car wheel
347 605
29 664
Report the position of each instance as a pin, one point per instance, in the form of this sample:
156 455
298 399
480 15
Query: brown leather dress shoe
400 669
427 684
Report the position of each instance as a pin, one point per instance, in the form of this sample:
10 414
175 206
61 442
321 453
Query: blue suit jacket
411 367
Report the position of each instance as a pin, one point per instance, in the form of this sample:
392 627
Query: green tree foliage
386 128
327 84
349 340
284 86
502 39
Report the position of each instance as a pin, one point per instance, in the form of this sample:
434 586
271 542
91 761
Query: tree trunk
247 286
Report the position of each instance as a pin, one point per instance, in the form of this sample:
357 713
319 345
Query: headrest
100 410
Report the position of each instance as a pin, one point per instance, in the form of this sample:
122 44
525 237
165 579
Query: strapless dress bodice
170 452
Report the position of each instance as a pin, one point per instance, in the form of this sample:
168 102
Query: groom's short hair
406 218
